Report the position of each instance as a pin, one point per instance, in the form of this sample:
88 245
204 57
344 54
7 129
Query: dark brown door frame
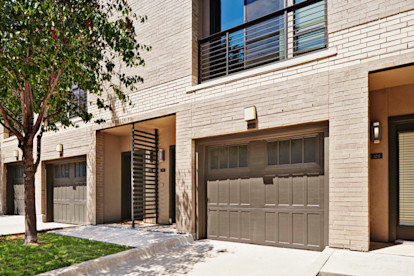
172 184
396 124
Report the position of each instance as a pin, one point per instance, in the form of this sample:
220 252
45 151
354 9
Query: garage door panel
314 229
257 225
212 193
284 228
245 191
271 227
223 192
314 189
245 224
79 191
284 184
298 191
234 192
257 192
19 198
223 221
234 225
270 194
299 229
212 223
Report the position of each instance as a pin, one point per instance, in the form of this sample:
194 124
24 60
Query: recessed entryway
391 103
150 196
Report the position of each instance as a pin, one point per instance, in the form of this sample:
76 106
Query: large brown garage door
15 190
269 191
69 192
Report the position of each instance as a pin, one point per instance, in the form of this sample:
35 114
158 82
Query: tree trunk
29 195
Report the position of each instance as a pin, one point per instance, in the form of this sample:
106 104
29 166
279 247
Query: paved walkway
142 237
395 260
208 257
163 252
10 225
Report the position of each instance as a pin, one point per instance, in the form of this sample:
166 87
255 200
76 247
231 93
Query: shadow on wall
183 204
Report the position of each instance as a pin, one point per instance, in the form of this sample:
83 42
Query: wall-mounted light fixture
16 154
250 113
376 132
59 148
161 155
250 116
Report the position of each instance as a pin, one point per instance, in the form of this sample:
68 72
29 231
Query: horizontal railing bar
142 145
262 19
316 28
252 61
310 42
140 131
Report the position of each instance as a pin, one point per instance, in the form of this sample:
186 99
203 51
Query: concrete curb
102 264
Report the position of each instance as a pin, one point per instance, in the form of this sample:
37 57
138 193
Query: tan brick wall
344 14
333 89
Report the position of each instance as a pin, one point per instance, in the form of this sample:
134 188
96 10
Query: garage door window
226 157
80 169
292 151
62 171
19 172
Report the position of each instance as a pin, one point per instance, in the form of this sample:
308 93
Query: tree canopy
50 51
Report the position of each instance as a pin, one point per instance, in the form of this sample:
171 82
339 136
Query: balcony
281 35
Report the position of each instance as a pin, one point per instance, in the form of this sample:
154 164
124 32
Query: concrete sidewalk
11 225
160 251
132 237
394 260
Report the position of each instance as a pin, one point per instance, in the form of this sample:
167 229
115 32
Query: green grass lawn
54 252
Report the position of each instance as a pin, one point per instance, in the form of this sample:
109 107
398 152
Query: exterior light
16 154
376 132
59 148
161 155
250 113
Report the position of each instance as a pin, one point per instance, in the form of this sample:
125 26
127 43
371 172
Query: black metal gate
144 175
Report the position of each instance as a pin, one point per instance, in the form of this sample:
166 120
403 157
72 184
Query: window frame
316 167
297 34
79 100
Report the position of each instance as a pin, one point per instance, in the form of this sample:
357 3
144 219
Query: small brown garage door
15 190
269 192
69 192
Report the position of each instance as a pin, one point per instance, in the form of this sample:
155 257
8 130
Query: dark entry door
172 184
402 182
15 190
126 186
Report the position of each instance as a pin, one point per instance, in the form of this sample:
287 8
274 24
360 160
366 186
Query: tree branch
39 147
10 127
46 100
20 90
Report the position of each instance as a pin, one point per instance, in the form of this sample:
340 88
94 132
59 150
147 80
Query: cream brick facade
363 36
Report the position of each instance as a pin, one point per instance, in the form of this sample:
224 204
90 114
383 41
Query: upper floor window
81 99
226 14
249 33
309 27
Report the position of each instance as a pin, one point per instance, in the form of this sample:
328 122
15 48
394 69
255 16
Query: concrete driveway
208 257
10 225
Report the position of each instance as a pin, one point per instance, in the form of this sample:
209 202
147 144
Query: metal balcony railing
281 35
